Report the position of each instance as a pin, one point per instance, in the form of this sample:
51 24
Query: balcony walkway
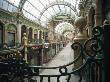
63 57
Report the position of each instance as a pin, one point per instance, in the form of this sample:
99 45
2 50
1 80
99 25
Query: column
25 41
81 36
18 33
98 13
107 50
90 20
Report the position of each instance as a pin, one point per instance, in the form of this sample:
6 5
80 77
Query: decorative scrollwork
94 45
79 48
76 46
14 68
63 70
97 31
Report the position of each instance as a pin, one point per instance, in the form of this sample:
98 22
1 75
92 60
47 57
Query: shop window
11 39
11 33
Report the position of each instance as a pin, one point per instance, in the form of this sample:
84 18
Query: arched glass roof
45 10
64 26
68 35
42 11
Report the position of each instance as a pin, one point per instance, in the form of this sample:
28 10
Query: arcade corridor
62 58
54 40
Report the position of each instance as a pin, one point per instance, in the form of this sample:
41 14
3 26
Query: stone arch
11 28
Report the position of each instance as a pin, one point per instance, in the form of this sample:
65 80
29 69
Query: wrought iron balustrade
92 69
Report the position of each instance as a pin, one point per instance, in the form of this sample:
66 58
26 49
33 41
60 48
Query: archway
64 27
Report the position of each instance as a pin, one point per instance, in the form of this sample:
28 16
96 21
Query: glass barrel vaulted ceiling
64 26
43 11
65 29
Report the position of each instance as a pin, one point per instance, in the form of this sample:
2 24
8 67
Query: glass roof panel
37 4
51 11
47 14
67 9
62 9
15 2
45 2
43 18
56 8
28 7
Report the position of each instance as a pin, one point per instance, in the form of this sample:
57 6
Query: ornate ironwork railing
92 69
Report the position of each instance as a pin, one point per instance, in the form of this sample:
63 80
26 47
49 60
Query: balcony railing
92 69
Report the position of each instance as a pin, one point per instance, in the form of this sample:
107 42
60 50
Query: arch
11 28
69 35
67 31
61 27
58 3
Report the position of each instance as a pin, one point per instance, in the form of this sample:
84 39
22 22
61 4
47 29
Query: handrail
43 67
89 60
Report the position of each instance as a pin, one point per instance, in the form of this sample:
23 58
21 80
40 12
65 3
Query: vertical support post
56 48
42 55
51 51
107 50
25 46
